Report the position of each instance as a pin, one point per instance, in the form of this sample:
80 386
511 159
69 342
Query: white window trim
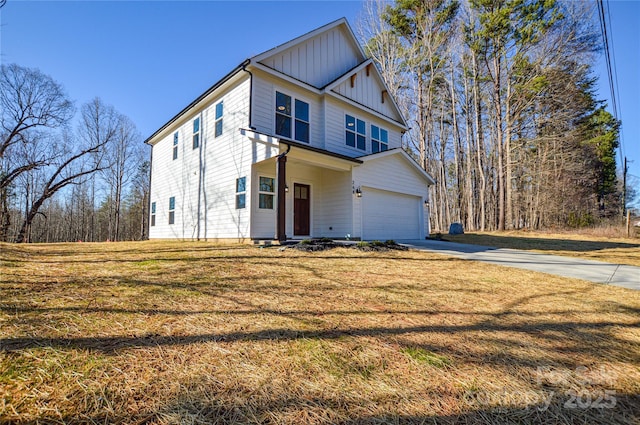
262 192
196 133
379 140
216 120
176 142
244 192
294 97
355 131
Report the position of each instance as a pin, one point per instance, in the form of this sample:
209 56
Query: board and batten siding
367 90
319 60
221 160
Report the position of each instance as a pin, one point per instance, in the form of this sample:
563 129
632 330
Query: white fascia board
188 113
332 85
403 154
285 77
362 107
377 75
278 49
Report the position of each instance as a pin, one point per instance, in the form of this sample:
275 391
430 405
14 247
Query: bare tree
124 154
29 101
71 168
76 160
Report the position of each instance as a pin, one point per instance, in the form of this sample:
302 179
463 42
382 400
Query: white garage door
389 215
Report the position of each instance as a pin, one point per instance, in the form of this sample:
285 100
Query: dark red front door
301 209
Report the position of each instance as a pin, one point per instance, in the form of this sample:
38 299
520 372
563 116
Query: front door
301 209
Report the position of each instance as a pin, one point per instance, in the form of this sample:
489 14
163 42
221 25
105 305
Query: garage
390 215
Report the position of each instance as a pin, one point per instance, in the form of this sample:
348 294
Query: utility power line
607 39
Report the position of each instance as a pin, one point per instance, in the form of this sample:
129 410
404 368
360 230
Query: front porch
318 196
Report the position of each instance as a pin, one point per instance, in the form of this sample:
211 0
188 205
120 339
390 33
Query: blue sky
151 58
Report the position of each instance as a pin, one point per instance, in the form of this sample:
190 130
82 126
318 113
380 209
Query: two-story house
300 141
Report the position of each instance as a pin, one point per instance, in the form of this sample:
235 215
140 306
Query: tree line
63 179
500 98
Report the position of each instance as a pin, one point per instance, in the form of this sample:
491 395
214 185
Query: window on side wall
172 210
241 192
266 192
175 145
153 214
218 123
355 132
379 139
196 133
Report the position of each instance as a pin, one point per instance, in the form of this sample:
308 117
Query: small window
283 115
266 193
355 132
218 123
175 145
153 214
196 133
241 192
172 210
379 139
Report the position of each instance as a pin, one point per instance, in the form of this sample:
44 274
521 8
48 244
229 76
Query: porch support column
281 204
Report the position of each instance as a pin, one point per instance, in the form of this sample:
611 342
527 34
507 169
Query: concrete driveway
593 271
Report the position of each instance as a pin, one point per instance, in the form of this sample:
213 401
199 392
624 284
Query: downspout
244 68
148 229
281 171
200 146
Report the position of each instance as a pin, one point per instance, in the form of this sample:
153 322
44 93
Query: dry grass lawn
185 332
614 250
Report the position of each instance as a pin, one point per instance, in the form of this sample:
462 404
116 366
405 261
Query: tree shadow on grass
593 333
225 408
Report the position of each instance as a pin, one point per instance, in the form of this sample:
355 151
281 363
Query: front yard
185 332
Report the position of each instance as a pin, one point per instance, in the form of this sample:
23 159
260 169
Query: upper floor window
196 133
175 145
290 114
241 192
379 139
218 123
302 121
355 132
266 193
172 210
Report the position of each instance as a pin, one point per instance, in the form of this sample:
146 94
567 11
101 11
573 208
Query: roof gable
365 85
317 57
400 153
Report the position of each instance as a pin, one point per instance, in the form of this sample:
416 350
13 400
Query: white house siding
319 60
367 90
334 210
335 112
264 106
223 160
330 200
404 185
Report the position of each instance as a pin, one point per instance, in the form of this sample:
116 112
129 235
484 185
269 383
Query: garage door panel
390 215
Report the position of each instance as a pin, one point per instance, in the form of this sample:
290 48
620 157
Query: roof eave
199 99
